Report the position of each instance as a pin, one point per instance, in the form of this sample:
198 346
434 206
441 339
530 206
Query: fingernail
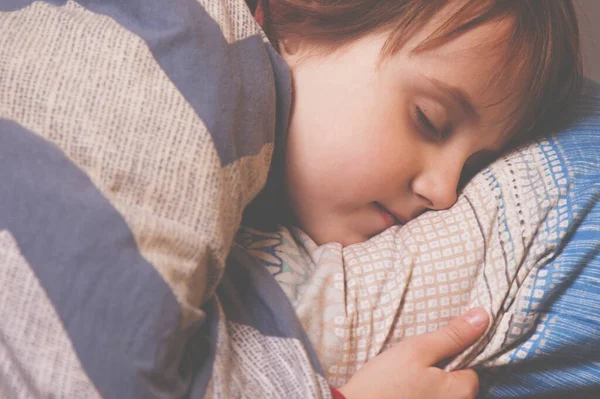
476 317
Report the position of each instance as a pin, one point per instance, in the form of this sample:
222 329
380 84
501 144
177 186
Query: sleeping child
396 104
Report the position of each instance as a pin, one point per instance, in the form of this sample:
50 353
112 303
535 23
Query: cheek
342 150
343 169
324 167
325 148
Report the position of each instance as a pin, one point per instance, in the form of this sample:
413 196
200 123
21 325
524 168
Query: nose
437 184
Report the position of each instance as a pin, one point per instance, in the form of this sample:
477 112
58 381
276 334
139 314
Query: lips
395 217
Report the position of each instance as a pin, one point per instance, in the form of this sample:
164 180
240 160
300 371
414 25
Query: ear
291 50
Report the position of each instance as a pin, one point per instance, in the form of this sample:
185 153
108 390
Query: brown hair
544 41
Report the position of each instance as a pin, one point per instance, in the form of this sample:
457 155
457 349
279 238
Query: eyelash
426 125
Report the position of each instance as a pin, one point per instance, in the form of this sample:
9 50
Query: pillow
132 135
523 241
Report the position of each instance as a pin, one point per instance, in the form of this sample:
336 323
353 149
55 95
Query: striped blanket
132 135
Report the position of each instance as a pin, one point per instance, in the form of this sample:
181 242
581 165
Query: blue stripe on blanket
120 315
14 5
202 350
283 88
236 104
190 48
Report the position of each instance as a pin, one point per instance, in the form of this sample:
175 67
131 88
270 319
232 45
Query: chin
343 238
351 241
344 231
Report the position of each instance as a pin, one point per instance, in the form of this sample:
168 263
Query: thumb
457 336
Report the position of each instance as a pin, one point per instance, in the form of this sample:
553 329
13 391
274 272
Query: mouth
389 215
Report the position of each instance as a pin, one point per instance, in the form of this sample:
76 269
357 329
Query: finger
458 335
463 384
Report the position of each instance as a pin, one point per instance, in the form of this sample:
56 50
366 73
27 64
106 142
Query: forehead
476 63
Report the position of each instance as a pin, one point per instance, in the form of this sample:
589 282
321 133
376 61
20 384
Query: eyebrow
456 94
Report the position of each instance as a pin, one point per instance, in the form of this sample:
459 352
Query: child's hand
406 371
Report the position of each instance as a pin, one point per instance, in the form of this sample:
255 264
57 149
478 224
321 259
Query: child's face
366 139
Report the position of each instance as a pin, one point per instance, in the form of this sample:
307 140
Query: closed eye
426 125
